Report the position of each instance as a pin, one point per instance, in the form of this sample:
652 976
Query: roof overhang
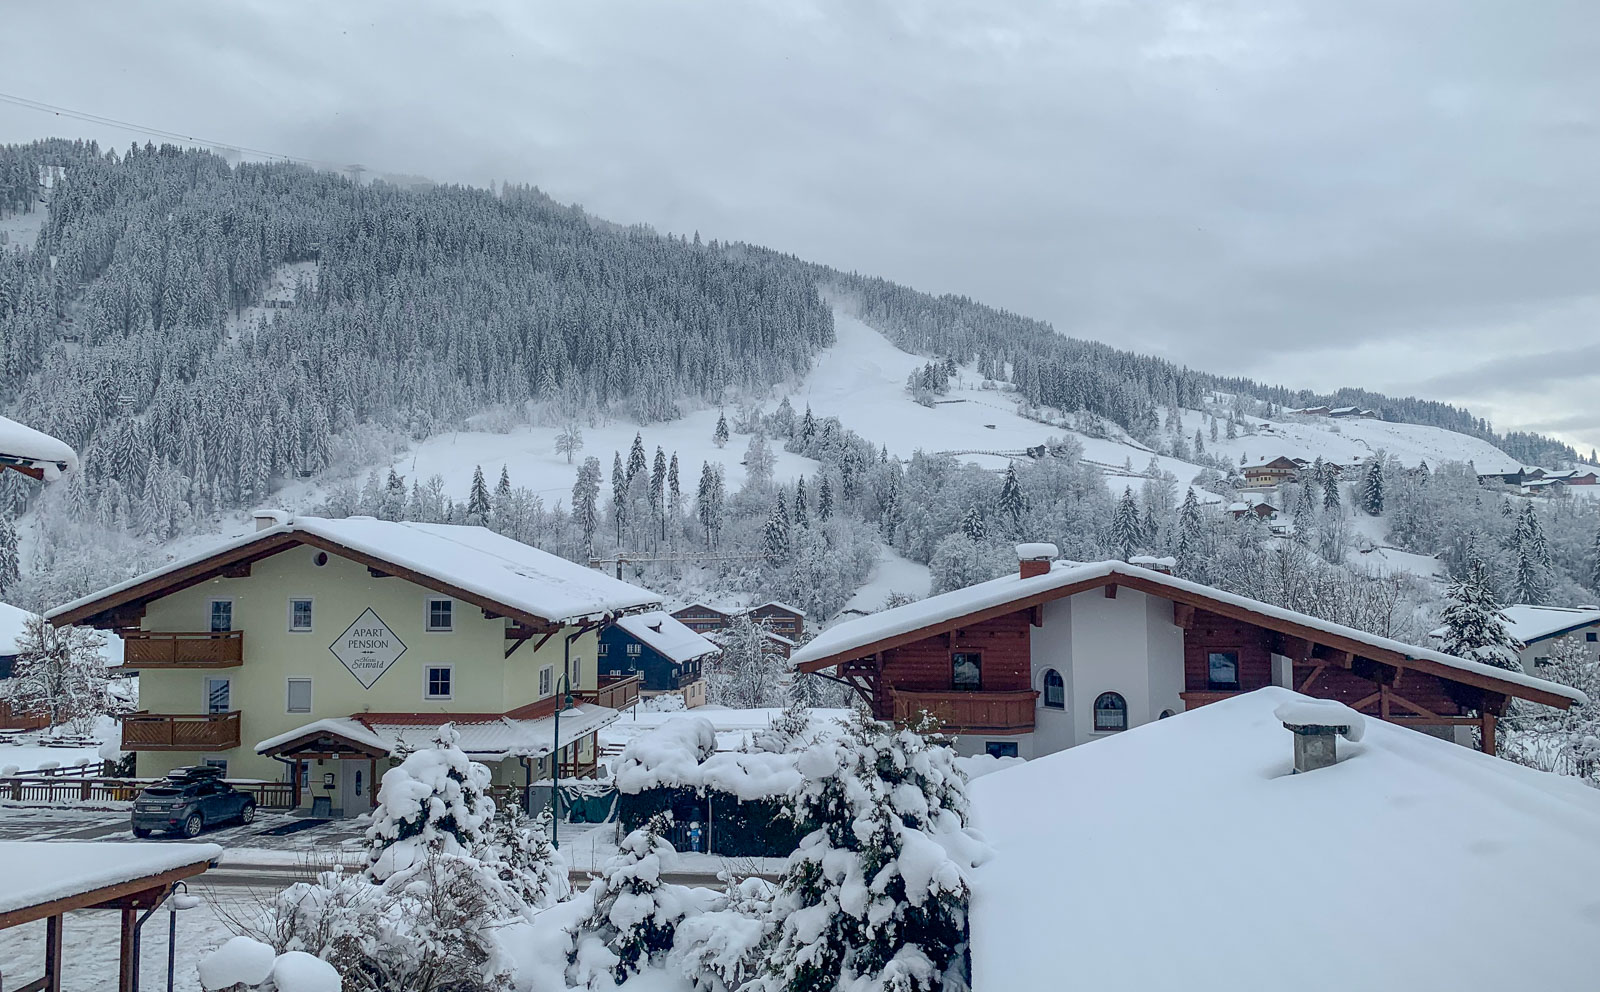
1221 606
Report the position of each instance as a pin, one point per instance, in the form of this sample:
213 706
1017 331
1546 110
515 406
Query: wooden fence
45 789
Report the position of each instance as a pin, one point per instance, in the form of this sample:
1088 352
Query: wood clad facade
926 668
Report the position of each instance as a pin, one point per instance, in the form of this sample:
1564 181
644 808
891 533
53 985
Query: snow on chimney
1036 558
1315 723
267 519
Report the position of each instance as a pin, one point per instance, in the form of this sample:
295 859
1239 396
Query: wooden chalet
1060 654
1271 473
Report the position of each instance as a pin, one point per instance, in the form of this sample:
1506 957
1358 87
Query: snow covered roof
1371 874
484 740
797 611
1529 624
879 631
473 563
36 451
38 873
12 619
682 754
665 634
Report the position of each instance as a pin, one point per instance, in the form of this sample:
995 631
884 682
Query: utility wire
82 115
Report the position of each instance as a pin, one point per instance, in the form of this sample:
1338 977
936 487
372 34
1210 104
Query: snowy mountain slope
1346 440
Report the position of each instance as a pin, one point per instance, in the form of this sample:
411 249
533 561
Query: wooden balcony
180 732
197 649
615 692
1194 699
1005 712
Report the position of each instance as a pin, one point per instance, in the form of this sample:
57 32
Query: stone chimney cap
1321 716
1037 551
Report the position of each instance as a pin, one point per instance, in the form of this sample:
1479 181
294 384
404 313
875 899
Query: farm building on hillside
1062 653
1271 473
785 624
1374 873
666 654
314 649
1258 508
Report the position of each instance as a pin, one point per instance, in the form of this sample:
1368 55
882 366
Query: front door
354 786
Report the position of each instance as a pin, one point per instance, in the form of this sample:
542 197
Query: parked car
187 801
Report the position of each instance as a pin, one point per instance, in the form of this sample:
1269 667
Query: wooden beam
52 954
127 962
1336 656
1486 743
240 570
1311 680
379 573
1183 615
96 898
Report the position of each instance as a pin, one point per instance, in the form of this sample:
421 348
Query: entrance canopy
380 735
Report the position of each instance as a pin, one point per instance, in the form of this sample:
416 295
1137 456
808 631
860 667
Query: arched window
1055 690
1110 712
1164 714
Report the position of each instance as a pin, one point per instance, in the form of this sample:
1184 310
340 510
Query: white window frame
547 680
634 650
427 681
427 614
311 697
303 599
576 678
205 694
210 609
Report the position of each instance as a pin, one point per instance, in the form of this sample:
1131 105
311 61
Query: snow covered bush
634 915
875 898
720 950
525 860
246 963
434 801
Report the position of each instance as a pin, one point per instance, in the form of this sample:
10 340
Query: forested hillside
133 329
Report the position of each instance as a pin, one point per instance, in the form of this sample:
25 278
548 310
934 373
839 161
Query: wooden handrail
183 649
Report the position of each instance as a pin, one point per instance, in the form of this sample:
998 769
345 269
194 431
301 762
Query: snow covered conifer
801 518
1330 488
10 568
972 523
1372 488
1594 568
1012 502
634 914
875 897
619 493
1531 579
775 541
825 499
636 458
59 674
585 499
1474 627
434 801
808 428
1126 529
720 435
502 489
525 860
478 498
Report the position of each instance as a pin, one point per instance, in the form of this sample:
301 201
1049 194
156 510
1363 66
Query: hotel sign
367 648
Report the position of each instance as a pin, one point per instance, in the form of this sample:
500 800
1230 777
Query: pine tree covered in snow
1330 488
585 500
875 897
522 855
435 800
1474 627
720 950
802 517
720 434
1372 488
634 914
1594 565
972 524
1012 501
59 674
478 498
825 502
775 541
1531 577
1127 532
10 570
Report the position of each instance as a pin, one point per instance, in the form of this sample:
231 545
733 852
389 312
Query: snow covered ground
892 573
1347 439
733 726
280 288
21 230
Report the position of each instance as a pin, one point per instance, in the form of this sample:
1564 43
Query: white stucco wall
1546 648
1051 645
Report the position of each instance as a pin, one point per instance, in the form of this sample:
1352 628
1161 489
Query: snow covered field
733 726
1347 439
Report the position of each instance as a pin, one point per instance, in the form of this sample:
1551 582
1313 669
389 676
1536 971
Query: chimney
1035 558
1316 723
266 519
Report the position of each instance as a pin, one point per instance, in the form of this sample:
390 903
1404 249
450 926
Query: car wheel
248 814
141 832
193 825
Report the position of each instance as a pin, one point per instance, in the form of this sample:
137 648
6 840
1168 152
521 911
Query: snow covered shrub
634 915
435 800
720 950
59 674
525 860
876 896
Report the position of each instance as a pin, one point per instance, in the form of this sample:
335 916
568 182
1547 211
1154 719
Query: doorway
354 787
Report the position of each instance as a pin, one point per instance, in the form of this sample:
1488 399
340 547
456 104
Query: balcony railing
617 693
188 649
1004 712
180 732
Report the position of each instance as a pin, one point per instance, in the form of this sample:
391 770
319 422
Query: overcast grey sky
1398 194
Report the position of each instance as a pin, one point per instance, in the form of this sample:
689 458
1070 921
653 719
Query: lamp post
555 763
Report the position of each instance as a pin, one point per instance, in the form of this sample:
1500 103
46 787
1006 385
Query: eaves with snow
1184 855
33 452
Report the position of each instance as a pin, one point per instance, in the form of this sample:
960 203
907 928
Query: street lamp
555 763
